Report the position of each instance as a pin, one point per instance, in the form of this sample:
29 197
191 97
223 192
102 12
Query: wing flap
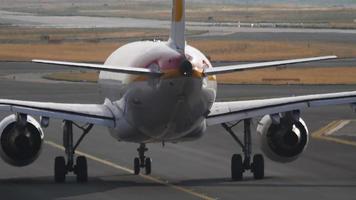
222 112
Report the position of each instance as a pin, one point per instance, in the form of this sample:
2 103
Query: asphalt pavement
194 170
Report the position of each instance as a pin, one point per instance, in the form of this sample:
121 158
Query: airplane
163 92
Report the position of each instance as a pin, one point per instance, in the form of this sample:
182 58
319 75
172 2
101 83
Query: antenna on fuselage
177 36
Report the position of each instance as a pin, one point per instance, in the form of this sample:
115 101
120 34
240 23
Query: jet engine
21 138
283 138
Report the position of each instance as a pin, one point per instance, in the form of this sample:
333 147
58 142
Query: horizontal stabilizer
109 68
250 66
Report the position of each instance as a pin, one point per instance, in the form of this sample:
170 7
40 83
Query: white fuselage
170 108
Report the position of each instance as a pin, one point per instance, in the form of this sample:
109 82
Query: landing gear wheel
60 169
136 166
236 167
81 169
148 163
258 167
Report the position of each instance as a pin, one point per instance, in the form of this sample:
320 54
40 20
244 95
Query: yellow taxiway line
323 133
119 167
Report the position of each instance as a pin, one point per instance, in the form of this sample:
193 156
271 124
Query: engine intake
283 141
20 142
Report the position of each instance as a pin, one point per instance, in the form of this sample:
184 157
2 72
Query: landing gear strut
240 164
142 161
61 167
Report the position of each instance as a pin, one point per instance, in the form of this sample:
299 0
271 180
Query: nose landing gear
142 161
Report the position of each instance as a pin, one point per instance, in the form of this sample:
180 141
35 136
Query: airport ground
194 170
237 44
261 13
95 45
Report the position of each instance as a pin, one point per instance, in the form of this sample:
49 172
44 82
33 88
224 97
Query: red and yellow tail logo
178 10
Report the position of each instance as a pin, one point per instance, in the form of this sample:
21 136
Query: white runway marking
325 132
339 126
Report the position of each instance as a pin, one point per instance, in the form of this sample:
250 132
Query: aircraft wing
118 69
250 66
98 114
223 112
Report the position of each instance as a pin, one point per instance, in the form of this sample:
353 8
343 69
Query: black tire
258 167
60 169
148 164
236 167
136 166
81 169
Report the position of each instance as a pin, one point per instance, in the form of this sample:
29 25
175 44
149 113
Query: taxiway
195 170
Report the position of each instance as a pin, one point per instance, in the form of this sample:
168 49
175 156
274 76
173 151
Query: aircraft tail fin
177 36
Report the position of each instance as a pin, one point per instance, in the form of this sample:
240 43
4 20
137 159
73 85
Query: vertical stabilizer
177 36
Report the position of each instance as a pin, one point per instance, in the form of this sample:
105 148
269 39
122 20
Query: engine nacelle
285 140
20 141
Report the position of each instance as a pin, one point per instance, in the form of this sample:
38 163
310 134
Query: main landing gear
61 167
142 161
240 164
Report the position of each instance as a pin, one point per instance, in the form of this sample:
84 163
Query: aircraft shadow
45 188
266 182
